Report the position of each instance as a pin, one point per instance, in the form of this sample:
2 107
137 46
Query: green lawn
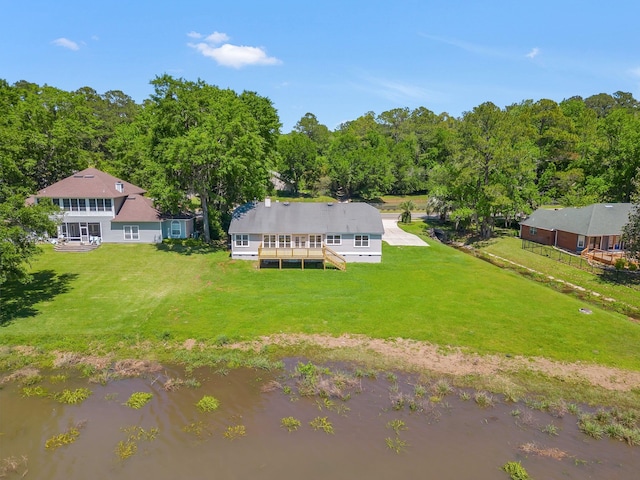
436 294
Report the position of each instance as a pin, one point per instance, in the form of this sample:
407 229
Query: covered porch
80 232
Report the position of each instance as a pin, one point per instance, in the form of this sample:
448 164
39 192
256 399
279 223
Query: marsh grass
484 399
550 429
615 423
198 428
138 400
532 448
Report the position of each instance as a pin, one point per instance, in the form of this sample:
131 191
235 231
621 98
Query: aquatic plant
235 431
196 428
208 404
516 471
31 380
550 429
73 397
290 423
321 423
65 438
396 444
37 391
127 448
465 396
397 425
58 378
138 400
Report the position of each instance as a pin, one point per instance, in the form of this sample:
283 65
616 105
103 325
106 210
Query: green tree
209 142
298 160
20 227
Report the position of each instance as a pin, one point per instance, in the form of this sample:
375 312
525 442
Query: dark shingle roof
298 217
137 208
594 220
89 183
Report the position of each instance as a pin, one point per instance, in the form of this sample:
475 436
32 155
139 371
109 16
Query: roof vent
77 176
285 203
120 187
88 176
330 203
608 206
267 202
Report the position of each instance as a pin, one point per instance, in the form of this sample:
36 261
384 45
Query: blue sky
335 59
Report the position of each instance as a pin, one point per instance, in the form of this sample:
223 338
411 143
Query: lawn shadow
621 277
191 247
18 299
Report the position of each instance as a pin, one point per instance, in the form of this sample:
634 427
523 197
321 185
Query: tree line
191 143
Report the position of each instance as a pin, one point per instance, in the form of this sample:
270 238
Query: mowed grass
437 294
510 248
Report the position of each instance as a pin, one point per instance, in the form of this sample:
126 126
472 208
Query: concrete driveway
395 236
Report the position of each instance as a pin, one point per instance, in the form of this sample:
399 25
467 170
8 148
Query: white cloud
533 53
228 55
66 43
217 37
397 91
193 34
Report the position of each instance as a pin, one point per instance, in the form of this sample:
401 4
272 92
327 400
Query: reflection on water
381 430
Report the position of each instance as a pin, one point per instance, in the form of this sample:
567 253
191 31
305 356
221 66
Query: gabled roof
137 208
89 183
298 217
593 220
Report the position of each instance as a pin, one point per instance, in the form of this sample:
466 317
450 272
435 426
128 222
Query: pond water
450 436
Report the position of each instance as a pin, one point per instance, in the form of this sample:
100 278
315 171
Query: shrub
516 471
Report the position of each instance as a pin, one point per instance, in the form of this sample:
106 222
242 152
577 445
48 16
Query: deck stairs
76 247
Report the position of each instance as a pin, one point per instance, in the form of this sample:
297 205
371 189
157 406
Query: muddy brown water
449 439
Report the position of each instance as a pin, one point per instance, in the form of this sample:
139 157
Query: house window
242 240
361 241
580 241
315 241
99 204
333 240
533 230
284 241
131 232
176 231
269 241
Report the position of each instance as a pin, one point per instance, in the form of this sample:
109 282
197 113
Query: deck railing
324 254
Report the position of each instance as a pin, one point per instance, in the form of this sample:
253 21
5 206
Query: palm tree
406 207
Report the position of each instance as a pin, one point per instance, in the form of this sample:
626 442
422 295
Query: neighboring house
98 207
329 232
595 227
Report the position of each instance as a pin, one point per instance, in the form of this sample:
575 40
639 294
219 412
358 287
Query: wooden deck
607 257
322 254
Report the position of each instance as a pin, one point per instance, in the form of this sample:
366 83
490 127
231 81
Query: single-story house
594 227
97 207
298 231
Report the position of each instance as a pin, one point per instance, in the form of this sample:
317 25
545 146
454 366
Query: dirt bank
453 361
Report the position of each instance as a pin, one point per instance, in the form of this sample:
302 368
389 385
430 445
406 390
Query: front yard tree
209 142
